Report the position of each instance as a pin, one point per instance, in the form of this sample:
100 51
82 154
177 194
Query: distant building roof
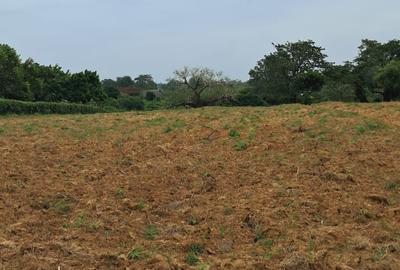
130 91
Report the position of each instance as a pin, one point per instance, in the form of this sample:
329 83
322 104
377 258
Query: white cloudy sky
131 37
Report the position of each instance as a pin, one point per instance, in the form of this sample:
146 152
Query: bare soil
287 187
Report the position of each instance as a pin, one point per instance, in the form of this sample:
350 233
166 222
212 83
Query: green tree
306 85
11 75
125 81
276 77
145 82
372 56
109 83
340 73
388 78
84 87
46 83
112 91
111 88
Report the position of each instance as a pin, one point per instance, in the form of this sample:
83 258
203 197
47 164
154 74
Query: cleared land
287 187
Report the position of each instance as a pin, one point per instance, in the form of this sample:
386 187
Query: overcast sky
131 37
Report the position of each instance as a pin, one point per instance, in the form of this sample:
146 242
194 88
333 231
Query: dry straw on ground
287 187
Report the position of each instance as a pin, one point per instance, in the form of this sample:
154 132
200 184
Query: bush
247 98
8 106
130 103
154 105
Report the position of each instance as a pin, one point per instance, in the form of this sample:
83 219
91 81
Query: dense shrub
156 104
8 106
247 98
130 103
126 103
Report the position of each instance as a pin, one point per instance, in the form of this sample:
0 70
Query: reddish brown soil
303 187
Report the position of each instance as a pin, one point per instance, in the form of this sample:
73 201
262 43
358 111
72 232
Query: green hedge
8 106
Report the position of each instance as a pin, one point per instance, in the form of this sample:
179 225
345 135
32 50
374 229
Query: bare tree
197 81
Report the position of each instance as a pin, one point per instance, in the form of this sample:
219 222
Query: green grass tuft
136 254
150 232
240 146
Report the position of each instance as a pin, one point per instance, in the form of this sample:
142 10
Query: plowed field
286 187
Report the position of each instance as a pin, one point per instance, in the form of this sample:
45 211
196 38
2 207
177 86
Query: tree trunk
196 100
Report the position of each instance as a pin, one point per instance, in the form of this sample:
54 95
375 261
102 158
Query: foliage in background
296 72
143 82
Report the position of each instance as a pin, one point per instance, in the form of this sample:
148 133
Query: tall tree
84 87
11 75
276 76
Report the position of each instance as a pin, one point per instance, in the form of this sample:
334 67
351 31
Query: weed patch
196 248
192 259
379 254
150 232
80 221
240 146
234 134
140 206
392 186
136 254
61 206
369 127
155 121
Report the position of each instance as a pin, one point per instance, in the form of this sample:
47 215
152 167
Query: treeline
31 81
295 72
81 92
300 73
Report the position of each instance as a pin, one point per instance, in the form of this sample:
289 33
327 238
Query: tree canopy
388 78
198 85
277 77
